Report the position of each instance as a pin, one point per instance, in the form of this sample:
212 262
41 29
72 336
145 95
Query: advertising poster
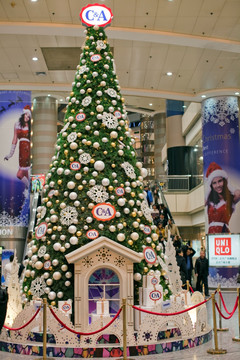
38 182
5 260
224 260
221 148
15 132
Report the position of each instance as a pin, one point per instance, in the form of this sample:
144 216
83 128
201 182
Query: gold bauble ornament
122 99
104 41
110 188
124 223
134 214
83 208
113 144
105 152
57 201
71 158
86 47
85 76
71 93
51 165
92 113
89 90
63 162
55 228
130 242
72 111
153 245
29 292
113 166
121 138
122 185
133 194
79 134
69 104
89 142
53 303
138 220
87 37
80 187
59 182
79 233
145 269
46 199
65 152
92 161
50 268
65 145
86 52
48 242
163 272
49 231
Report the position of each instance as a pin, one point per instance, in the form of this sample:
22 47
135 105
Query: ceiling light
184 106
203 96
49 94
34 0
61 99
237 93
169 73
35 58
150 104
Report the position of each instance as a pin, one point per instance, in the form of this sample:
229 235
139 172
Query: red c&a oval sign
96 14
104 212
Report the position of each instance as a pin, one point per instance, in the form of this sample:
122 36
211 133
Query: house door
103 284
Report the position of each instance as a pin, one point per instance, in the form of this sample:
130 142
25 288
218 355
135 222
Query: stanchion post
44 329
203 290
238 338
187 285
216 350
124 329
220 308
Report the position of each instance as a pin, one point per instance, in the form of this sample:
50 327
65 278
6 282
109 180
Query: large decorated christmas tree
94 186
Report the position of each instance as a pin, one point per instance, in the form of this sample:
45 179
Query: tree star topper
96 14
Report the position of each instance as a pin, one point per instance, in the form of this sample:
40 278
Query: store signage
120 191
51 193
95 57
104 212
47 265
224 250
96 14
65 306
75 165
118 114
147 230
154 281
80 116
155 295
41 230
92 234
149 255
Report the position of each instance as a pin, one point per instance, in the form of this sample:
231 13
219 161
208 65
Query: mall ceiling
198 41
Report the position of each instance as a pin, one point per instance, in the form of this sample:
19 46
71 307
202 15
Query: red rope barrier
192 291
171 314
234 309
223 302
82 333
23 326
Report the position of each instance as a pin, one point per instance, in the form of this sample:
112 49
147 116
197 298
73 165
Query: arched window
103 284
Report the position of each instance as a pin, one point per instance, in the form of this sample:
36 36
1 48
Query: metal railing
179 183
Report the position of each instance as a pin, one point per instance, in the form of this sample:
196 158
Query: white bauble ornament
76 203
64 267
55 262
62 205
52 295
137 276
52 183
104 140
112 228
46 275
126 210
154 236
29 253
114 175
148 240
94 173
32 273
89 219
54 218
96 133
56 246
68 275
49 282
60 294
99 117
134 236
71 185
99 93
135 224
34 248
38 265
28 273
67 283
57 275
34 258
120 226
118 214
73 195
85 227
101 226
120 237
46 256
99 108
92 182
62 237
67 172
105 182
67 245
62 249
78 176
113 134
72 229
73 240
121 202
99 165
144 172
120 152
128 189
96 145
73 146
65 193
90 205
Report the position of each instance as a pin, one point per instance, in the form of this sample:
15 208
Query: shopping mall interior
171 56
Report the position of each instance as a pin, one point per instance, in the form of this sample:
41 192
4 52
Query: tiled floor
197 353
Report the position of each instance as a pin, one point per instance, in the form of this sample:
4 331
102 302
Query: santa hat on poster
214 170
27 110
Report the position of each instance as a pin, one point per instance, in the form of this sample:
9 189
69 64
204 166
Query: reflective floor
197 353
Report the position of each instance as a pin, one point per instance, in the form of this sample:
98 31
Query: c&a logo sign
96 14
223 246
104 212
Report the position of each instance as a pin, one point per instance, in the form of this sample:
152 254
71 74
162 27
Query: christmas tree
95 184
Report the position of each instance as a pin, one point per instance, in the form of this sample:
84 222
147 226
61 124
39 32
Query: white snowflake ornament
42 251
98 194
129 170
68 215
146 210
111 92
109 120
38 287
101 44
82 69
87 101
72 137
84 158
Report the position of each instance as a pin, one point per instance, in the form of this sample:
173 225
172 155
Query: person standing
3 306
7 271
174 232
202 272
182 266
166 213
149 196
189 253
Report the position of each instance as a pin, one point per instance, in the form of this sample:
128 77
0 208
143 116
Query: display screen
224 250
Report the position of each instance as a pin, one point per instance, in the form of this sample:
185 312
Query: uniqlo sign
223 246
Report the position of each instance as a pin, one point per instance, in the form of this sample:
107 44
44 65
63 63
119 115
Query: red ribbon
23 326
231 314
192 291
82 333
224 305
170 314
